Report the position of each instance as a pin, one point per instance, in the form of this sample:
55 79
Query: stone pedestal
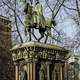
41 61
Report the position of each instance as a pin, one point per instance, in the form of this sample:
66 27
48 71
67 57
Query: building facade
73 68
6 63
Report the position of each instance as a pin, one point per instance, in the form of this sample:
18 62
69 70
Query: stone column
31 71
17 71
60 72
63 74
31 66
54 72
48 70
34 69
28 71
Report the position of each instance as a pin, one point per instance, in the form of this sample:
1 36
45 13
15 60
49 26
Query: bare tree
74 12
14 10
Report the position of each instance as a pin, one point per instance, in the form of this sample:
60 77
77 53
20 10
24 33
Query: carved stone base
39 61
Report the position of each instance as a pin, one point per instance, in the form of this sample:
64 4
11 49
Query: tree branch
77 6
17 24
15 15
59 9
67 6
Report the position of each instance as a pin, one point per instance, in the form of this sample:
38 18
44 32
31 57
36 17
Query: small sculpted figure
41 73
23 75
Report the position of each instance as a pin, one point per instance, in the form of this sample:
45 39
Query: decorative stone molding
34 51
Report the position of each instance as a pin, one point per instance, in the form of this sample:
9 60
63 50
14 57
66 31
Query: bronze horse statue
42 23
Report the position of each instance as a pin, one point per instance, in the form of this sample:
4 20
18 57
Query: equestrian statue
34 19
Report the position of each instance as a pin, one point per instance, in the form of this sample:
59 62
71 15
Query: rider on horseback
34 19
38 14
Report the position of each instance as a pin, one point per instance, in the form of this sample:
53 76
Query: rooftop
5 18
5 21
